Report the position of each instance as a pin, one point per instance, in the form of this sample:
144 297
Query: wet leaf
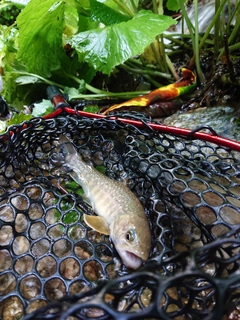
108 16
173 5
104 48
72 186
34 36
92 109
42 108
19 118
2 126
22 80
73 92
71 21
70 217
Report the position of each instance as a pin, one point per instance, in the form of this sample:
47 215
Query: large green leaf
40 36
105 48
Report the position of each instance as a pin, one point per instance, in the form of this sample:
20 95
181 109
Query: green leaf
19 118
173 5
73 92
71 21
70 217
40 36
26 80
14 94
92 109
85 24
72 186
103 49
108 16
42 108
3 126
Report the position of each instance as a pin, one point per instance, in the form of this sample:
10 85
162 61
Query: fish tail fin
66 146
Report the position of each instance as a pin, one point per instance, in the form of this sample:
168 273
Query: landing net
53 266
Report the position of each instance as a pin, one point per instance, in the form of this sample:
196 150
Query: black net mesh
55 267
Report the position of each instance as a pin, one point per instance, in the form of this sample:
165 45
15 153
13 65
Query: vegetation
82 45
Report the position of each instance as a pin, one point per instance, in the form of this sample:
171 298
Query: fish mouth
130 259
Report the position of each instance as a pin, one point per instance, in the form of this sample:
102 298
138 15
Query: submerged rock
222 119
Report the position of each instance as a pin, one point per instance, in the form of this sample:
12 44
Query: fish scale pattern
53 266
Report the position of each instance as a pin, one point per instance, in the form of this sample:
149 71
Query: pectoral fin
97 223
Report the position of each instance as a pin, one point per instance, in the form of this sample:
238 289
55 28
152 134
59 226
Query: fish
119 213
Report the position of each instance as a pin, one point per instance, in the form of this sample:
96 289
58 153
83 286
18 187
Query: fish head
132 239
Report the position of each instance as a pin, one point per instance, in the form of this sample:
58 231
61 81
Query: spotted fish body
119 212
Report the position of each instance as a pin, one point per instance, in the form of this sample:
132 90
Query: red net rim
186 133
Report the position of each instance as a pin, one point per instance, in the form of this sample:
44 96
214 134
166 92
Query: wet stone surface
223 119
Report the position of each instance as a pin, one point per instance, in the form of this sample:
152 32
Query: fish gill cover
53 266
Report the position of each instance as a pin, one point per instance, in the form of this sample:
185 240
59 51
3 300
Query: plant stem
188 21
190 28
172 68
206 34
234 47
217 14
175 39
125 95
196 43
234 14
173 53
155 9
162 51
134 8
161 60
154 82
145 71
44 80
98 94
133 63
124 8
157 6
87 86
235 32
216 30
156 55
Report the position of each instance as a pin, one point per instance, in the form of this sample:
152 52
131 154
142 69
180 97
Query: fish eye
130 235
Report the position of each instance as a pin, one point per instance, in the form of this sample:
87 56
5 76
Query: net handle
187 133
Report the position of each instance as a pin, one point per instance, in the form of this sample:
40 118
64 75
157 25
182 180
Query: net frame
167 269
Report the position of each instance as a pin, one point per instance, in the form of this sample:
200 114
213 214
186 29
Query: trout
119 212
